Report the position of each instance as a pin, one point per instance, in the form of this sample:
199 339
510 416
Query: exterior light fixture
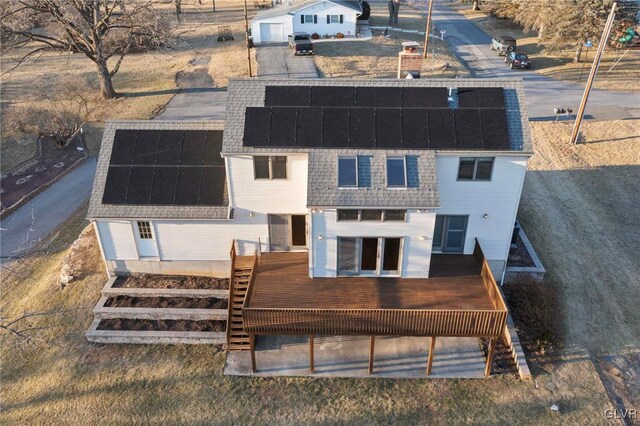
484 216
320 237
251 214
422 237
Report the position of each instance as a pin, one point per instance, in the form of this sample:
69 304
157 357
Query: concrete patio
348 356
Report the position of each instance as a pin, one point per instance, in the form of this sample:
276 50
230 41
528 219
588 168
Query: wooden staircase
242 270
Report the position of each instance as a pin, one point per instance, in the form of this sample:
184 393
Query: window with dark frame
335 19
270 167
144 230
307 19
353 215
475 168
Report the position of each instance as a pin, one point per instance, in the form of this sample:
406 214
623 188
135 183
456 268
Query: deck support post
252 347
492 348
312 367
372 344
430 360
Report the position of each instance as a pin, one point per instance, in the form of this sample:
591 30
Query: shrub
339 35
315 36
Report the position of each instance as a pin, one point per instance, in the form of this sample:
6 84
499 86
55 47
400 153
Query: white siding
117 240
285 196
416 253
498 198
348 26
285 20
209 240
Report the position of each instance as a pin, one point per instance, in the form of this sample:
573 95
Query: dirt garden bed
519 255
161 325
171 281
166 302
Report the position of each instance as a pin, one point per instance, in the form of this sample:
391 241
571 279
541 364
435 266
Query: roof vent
452 98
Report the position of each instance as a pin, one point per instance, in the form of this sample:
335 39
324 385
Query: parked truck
301 44
503 44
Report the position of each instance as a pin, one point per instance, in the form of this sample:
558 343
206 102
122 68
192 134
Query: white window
309 19
335 19
273 167
144 229
396 172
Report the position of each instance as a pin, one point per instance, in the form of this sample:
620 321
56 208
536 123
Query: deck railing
232 256
371 322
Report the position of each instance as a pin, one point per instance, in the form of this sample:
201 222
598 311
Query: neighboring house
370 207
324 17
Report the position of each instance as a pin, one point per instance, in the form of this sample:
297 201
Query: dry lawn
146 81
558 63
378 57
66 380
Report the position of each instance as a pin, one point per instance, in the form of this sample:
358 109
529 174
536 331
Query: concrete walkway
198 99
348 356
279 62
43 213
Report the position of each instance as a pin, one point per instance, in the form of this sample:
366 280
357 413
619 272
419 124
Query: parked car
503 44
301 44
517 60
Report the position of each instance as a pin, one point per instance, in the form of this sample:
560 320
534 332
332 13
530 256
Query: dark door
391 258
369 259
298 230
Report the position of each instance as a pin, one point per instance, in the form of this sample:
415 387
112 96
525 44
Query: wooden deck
283 281
461 299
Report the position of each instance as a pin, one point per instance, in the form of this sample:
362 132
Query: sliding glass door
449 234
373 256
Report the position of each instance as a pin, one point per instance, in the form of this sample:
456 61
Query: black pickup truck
301 44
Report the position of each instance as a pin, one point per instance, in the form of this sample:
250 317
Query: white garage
270 32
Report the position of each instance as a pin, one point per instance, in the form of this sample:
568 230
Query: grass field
378 57
146 81
559 63
569 193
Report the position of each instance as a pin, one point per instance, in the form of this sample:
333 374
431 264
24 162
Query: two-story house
370 207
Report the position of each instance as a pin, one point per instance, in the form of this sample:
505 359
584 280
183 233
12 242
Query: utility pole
592 75
246 36
213 6
427 30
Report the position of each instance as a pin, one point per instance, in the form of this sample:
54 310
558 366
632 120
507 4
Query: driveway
47 210
278 62
472 45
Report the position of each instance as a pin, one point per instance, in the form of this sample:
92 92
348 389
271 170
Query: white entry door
271 32
145 239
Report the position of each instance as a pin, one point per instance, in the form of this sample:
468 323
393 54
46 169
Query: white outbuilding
323 17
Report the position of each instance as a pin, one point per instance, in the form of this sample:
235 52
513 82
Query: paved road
472 45
43 213
277 62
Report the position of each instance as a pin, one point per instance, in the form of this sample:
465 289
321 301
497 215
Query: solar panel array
166 167
378 118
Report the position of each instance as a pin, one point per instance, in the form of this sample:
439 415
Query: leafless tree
105 31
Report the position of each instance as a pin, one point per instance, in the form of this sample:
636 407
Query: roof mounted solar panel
468 129
116 186
415 129
309 127
140 185
425 97
170 148
283 127
362 128
165 182
212 186
287 96
480 97
124 146
193 148
146 147
389 128
257 124
495 133
441 129
388 97
213 148
188 188
329 96
335 128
